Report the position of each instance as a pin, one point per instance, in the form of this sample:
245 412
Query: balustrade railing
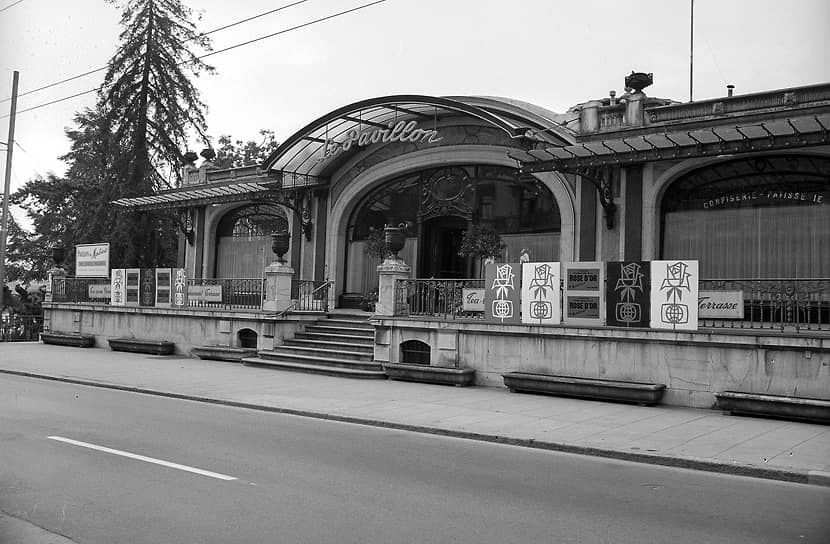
310 296
440 298
20 327
229 293
776 304
75 290
797 305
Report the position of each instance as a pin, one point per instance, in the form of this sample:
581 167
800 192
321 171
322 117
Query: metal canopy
199 195
779 134
309 150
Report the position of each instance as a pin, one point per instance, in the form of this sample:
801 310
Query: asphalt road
103 466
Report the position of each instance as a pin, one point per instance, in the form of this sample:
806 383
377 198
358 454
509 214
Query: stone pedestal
277 287
389 272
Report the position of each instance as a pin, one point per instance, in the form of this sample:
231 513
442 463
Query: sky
552 53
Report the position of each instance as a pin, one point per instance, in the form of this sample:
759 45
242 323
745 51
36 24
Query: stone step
341 338
326 352
354 324
278 354
348 346
344 372
335 329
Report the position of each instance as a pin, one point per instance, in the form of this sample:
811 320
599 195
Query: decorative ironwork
442 299
601 178
449 191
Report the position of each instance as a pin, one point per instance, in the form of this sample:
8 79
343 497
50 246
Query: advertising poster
502 294
541 298
628 294
118 287
674 295
584 300
147 296
179 288
92 260
132 286
164 282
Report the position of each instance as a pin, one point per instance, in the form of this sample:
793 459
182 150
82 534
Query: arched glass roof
324 142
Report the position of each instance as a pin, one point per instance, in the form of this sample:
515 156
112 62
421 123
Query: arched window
763 217
437 205
243 240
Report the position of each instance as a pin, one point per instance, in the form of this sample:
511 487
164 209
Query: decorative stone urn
394 240
280 242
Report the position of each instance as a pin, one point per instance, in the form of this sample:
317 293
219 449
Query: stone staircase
341 344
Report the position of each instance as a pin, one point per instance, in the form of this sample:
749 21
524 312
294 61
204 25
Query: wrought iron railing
776 304
232 293
74 290
310 295
795 305
20 327
438 298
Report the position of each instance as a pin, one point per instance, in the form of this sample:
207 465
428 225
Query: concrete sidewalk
674 436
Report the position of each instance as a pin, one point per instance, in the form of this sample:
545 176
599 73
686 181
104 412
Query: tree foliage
236 153
129 144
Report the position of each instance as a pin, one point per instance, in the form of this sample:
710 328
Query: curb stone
810 477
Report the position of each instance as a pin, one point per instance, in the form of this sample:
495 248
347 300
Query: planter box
814 410
67 339
134 345
223 353
430 374
592 388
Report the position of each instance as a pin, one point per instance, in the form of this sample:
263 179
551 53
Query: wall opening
415 352
246 338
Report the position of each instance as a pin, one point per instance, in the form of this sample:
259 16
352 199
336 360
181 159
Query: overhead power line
10 6
102 68
315 21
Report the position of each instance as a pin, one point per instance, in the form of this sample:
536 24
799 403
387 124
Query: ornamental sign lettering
721 304
472 300
769 195
401 131
92 260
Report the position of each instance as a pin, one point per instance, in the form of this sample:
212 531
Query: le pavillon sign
401 131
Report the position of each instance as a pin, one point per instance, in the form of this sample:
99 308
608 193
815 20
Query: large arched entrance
761 217
243 240
437 205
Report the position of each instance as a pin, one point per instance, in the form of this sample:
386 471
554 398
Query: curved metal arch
392 101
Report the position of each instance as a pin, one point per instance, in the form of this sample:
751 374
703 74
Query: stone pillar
277 287
389 272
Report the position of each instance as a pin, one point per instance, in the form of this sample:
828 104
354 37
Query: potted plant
480 242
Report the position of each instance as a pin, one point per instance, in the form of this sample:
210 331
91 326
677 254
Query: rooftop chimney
729 89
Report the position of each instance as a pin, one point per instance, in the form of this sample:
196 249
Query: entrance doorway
440 242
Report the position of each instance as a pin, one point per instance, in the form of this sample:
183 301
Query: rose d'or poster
584 291
674 295
502 293
628 294
541 300
118 287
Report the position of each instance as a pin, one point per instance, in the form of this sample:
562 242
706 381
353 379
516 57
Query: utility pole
691 50
4 226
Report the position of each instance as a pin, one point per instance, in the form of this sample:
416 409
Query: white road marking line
142 458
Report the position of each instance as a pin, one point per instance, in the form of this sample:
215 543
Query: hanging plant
480 241
376 245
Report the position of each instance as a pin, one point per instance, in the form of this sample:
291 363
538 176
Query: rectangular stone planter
134 345
430 374
813 410
68 339
592 388
223 353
